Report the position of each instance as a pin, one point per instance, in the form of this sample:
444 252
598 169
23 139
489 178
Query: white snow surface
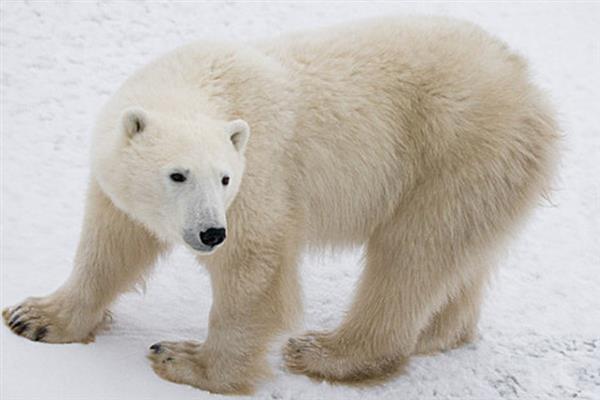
540 329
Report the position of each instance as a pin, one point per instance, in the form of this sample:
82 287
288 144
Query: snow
540 329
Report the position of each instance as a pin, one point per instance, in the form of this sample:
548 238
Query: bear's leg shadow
256 295
113 254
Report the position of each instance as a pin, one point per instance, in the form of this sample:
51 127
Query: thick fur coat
421 138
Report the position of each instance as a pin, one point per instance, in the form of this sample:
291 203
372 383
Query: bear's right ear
134 121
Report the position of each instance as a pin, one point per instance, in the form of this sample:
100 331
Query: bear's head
175 176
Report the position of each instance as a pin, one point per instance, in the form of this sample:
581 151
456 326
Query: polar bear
422 139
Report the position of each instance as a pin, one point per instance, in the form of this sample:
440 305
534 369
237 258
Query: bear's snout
213 236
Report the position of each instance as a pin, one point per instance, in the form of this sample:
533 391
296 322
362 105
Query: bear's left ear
238 132
134 121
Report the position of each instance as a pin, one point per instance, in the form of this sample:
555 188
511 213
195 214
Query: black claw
21 329
156 348
15 326
13 321
40 333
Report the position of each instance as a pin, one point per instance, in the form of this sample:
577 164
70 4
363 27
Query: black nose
212 236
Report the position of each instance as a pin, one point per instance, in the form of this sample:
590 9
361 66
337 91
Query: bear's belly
346 194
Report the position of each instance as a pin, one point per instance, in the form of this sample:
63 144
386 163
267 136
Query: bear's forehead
186 139
195 155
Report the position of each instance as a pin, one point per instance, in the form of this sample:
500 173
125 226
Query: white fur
421 138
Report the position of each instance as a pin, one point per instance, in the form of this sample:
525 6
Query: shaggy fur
421 138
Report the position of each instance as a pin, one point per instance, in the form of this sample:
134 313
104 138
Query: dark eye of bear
177 177
225 181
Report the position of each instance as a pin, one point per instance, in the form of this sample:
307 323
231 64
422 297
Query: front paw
188 363
45 320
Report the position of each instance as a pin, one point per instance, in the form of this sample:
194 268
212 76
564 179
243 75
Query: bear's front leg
114 252
255 296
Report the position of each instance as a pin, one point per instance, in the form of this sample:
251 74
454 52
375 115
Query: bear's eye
177 177
225 181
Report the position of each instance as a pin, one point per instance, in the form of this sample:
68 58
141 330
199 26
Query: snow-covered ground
540 330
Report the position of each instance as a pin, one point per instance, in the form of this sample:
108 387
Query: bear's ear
238 132
134 121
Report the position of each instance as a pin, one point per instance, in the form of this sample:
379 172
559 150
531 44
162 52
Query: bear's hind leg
439 239
397 295
456 323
